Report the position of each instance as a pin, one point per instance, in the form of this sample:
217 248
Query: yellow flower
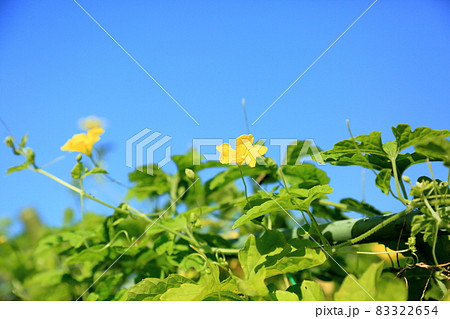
245 151
90 122
83 143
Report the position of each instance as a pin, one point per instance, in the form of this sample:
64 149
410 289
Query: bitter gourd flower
245 151
90 122
83 143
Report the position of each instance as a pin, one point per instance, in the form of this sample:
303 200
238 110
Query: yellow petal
244 139
227 153
94 133
83 143
90 122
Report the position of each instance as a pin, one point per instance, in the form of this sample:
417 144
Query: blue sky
57 65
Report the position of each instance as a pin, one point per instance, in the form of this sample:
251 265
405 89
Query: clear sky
56 66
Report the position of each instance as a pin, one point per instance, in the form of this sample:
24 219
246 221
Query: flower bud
9 141
406 179
190 173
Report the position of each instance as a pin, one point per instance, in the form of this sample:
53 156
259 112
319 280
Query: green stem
176 233
381 253
82 211
343 207
435 237
245 185
77 190
436 216
397 184
374 229
283 178
225 251
317 229
216 280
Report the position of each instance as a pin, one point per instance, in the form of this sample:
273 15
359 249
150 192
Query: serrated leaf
297 255
254 284
362 144
406 138
268 206
285 202
277 256
153 288
305 176
298 150
437 148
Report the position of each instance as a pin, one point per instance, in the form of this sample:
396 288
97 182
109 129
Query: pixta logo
141 148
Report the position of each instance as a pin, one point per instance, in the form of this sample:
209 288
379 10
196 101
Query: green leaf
46 278
305 176
391 149
297 255
285 202
77 170
360 207
372 284
23 141
17 168
406 138
311 291
29 155
233 173
390 288
369 152
249 256
106 288
277 256
282 295
362 289
153 288
362 144
267 206
75 239
147 186
383 180
437 148
88 255
300 149
254 284
186 292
